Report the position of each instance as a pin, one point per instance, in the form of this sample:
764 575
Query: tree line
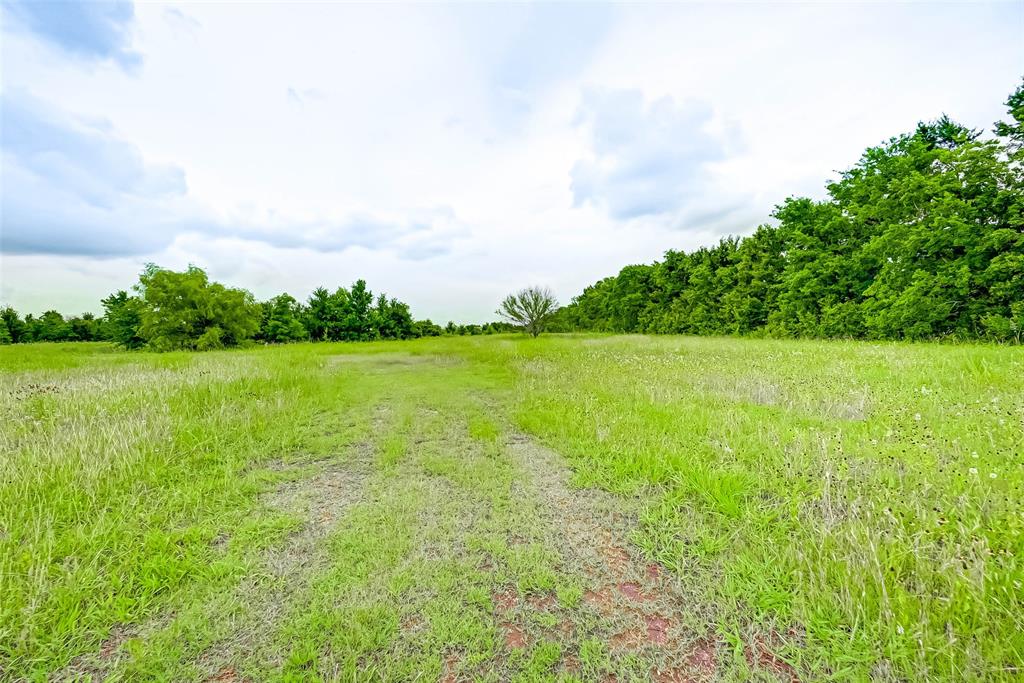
923 238
169 310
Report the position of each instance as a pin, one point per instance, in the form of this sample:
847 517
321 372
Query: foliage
186 311
1013 130
530 308
427 328
922 239
123 319
393 319
282 320
13 325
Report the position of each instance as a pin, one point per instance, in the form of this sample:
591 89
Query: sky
447 154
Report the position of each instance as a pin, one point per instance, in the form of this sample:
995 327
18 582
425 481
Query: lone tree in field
530 308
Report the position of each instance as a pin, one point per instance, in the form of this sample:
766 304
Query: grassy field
501 508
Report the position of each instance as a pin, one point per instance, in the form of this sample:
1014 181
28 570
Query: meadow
573 507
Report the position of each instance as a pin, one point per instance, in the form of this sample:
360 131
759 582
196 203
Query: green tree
427 328
319 314
530 308
84 327
1013 130
16 329
358 321
393 319
122 319
52 327
186 311
284 320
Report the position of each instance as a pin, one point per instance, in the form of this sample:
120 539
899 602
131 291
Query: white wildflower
973 470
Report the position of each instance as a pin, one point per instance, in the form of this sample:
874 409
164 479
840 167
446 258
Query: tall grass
862 500
865 495
117 471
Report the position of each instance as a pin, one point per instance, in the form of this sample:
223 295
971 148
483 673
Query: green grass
354 512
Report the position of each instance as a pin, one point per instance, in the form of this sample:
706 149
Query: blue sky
446 153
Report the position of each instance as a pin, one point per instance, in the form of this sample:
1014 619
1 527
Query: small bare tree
530 308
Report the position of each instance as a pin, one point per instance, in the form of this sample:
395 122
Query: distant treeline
184 310
922 239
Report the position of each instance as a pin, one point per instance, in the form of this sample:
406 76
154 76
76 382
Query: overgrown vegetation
186 311
836 510
922 239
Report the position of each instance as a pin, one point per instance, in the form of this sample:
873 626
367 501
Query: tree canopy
923 238
530 308
170 310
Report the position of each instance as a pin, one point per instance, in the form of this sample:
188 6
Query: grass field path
437 543
604 509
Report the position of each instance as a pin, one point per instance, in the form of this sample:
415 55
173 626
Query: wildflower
974 454
973 470
991 475
917 416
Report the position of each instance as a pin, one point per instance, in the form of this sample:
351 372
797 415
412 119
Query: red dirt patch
110 646
703 657
505 600
632 591
514 636
617 558
225 675
760 655
571 664
654 571
451 663
657 629
566 628
411 623
601 599
541 602
630 639
669 676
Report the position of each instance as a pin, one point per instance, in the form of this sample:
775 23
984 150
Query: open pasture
503 508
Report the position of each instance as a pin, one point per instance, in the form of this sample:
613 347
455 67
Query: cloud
71 186
414 235
525 50
301 96
553 41
83 157
95 31
179 20
647 159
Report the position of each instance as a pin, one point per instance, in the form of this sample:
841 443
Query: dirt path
321 501
638 608
446 546
252 611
